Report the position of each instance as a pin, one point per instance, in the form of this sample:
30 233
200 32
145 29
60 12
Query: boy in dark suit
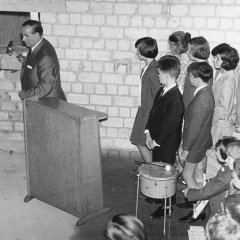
198 116
163 129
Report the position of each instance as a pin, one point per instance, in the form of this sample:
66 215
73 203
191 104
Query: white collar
36 45
235 180
166 89
198 89
143 70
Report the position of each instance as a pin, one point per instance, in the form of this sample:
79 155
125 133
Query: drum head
158 171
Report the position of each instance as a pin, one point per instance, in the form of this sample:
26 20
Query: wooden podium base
63 157
89 218
82 220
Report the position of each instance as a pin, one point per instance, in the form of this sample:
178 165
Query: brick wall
95 44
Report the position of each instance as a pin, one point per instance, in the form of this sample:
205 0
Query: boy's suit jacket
197 126
40 74
166 115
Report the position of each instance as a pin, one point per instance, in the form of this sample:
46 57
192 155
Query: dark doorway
10 25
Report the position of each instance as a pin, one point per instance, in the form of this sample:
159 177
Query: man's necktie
29 52
141 74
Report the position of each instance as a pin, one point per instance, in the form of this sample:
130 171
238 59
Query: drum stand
165 205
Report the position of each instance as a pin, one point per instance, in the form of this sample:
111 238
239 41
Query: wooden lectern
63 157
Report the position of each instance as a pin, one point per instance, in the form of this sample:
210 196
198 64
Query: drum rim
173 175
159 178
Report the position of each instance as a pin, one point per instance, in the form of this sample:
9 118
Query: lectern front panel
63 156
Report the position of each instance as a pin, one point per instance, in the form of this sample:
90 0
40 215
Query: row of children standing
221 113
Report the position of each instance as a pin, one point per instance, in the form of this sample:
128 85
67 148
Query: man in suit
40 75
164 125
163 129
198 121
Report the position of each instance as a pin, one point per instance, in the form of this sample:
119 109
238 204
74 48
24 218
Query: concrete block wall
95 44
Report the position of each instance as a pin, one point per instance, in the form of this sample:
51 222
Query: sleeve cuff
146 131
157 145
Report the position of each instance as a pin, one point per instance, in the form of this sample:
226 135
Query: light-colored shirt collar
166 89
198 89
144 70
36 45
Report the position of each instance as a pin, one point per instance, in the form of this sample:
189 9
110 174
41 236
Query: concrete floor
37 220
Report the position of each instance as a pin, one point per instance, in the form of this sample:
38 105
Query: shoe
180 180
153 200
185 205
189 218
159 213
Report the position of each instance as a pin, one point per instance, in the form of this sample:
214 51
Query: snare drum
156 181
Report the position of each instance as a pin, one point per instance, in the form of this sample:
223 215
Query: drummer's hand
237 128
185 191
183 155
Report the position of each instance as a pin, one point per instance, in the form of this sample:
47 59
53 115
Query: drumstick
140 162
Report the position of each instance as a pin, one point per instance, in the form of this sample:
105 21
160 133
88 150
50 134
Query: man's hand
21 94
20 58
152 144
185 191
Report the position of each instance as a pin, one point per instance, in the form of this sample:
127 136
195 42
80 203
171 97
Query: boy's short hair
147 47
222 227
201 70
170 64
124 227
199 48
232 204
229 56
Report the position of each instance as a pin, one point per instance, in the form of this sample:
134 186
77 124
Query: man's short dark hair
36 26
147 47
170 64
199 48
202 70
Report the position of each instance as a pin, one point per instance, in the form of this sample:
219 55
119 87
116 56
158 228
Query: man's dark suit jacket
165 124
198 116
40 74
